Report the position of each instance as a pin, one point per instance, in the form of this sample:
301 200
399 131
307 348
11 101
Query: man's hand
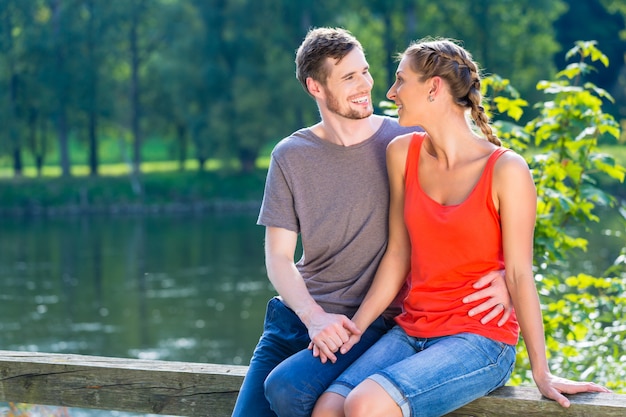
493 287
328 332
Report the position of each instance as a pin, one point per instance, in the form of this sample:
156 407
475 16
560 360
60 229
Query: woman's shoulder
510 160
406 139
402 143
511 169
398 149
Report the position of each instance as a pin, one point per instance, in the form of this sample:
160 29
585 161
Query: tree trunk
201 163
135 92
18 165
61 116
93 94
181 133
247 157
40 147
93 143
12 127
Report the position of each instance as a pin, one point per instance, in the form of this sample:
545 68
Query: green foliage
583 315
567 131
215 79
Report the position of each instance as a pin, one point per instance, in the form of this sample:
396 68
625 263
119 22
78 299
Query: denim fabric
284 379
434 376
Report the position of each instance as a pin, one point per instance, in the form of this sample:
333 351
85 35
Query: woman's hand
553 387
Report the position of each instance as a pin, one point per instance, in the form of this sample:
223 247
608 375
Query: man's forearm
290 286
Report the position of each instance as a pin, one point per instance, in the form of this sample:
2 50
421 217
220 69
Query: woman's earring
431 98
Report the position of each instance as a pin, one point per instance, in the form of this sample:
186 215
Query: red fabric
452 247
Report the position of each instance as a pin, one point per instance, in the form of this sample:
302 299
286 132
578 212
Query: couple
403 240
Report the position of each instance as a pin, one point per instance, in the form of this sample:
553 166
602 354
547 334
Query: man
327 184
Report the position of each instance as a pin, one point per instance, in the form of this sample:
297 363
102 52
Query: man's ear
314 87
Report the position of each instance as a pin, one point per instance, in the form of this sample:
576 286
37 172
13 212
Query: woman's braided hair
446 59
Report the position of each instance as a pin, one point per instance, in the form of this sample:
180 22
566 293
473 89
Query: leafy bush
584 316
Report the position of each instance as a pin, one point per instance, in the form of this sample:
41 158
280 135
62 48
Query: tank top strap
413 155
491 162
485 181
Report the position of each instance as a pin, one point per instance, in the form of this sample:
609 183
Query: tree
61 77
10 12
95 24
136 11
215 78
266 100
177 93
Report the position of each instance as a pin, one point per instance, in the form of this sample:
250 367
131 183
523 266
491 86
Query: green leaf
512 107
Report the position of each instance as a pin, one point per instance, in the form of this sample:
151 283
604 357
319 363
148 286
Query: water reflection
188 288
172 288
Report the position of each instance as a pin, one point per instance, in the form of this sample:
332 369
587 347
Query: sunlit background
135 137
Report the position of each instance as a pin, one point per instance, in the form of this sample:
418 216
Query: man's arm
327 331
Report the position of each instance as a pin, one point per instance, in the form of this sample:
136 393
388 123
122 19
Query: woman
460 205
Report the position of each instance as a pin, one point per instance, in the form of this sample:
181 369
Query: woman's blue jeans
431 377
284 379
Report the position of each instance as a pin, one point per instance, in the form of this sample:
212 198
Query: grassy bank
160 187
169 191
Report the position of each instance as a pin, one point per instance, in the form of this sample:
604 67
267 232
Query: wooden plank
141 386
528 402
209 390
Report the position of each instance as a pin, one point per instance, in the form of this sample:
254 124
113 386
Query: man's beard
333 106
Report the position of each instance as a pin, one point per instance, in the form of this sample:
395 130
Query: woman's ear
435 84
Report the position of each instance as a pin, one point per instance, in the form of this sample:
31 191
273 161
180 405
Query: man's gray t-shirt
336 198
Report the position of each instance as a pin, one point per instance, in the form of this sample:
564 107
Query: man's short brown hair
319 44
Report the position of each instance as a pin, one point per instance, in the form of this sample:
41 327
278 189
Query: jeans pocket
281 320
492 350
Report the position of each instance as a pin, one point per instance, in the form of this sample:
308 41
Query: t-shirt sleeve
278 208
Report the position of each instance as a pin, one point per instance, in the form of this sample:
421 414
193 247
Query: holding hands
328 333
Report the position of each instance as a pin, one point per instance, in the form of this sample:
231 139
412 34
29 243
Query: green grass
149 188
114 169
153 164
160 182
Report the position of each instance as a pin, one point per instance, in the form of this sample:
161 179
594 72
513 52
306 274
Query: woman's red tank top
452 247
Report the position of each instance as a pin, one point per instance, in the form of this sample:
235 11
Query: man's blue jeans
284 379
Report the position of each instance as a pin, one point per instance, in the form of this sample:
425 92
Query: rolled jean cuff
393 392
339 388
